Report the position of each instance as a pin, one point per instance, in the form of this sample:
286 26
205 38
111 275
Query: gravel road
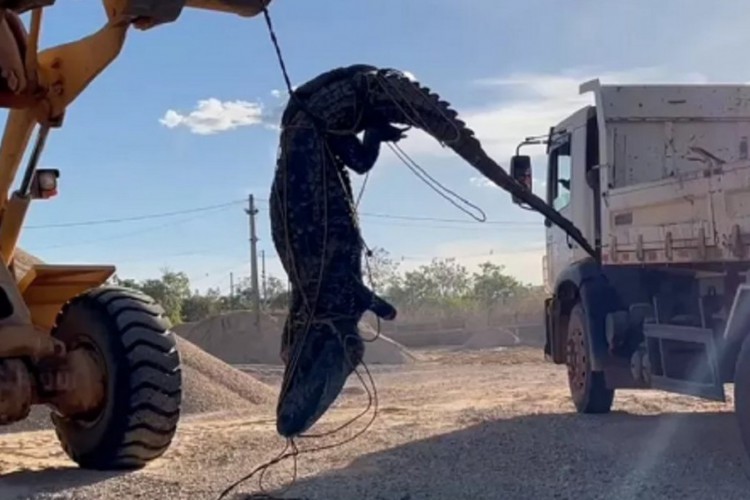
482 425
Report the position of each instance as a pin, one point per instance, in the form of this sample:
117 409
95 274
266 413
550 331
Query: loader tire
138 418
587 388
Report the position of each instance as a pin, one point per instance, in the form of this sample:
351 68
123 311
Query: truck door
559 168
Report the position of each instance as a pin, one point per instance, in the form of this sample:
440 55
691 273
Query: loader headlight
47 181
44 184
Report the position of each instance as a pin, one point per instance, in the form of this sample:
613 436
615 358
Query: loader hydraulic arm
39 86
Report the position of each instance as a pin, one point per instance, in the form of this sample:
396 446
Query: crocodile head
320 361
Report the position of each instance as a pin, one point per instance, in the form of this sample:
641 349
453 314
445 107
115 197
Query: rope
436 186
371 393
322 130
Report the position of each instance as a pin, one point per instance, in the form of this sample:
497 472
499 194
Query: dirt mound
233 338
383 350
206 376
489 338
208 384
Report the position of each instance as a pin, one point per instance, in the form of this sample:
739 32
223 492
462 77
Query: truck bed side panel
678 173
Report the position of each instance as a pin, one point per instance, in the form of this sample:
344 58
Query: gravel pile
489 338
206 376
209 385
383 350
233 338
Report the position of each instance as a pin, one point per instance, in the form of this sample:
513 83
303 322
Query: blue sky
180 120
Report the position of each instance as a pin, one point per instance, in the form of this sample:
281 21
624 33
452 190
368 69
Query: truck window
558 192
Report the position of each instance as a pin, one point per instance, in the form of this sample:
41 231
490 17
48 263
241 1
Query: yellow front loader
102 358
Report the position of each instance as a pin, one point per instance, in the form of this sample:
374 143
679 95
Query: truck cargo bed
675 172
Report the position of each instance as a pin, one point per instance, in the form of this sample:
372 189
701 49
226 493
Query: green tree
442 282
127 282
170 291
198 307
277 294
443 285
242 297
380 270
491 285
274 287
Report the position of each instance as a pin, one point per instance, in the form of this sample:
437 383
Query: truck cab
572 189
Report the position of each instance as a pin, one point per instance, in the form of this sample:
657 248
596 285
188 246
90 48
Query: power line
493 252
137 217
144 258
471 226
437 219
128 234
457 228
219 206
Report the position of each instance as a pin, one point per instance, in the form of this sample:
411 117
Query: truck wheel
587 388
742 394
132 342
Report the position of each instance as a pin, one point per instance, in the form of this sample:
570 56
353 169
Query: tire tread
149 350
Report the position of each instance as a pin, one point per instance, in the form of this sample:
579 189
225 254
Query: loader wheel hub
79 387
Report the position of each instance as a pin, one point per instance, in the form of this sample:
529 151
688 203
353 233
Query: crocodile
314 224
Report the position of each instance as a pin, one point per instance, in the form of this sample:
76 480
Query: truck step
684 360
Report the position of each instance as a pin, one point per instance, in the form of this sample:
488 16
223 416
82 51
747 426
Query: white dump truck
650 290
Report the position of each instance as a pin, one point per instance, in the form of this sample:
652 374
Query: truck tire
742 395
137 351
587 388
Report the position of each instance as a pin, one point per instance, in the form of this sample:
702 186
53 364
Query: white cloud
212 116
481 182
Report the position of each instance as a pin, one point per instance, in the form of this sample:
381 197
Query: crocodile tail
403 100
406 101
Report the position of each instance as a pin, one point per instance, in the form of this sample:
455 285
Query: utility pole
231 291
263 274
251 211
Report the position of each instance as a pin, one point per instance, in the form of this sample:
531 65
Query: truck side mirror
520 170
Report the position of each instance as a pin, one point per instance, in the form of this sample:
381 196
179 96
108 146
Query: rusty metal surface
155 12
12 47
21 6
75 386
23 262
147 14
16 391
18 335
27 340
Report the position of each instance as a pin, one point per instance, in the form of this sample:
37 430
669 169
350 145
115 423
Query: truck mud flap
684 360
